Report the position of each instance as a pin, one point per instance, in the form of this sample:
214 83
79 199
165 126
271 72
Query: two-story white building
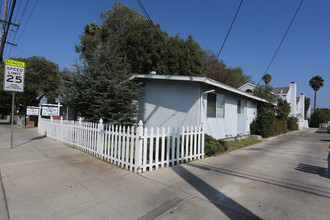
289 94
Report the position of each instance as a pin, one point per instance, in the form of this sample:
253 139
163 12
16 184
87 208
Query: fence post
202 144
138 148
100 138
51 129
61 130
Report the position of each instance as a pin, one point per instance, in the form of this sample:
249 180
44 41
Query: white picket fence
137 149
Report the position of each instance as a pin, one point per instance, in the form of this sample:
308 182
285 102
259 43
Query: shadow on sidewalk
321 171
262 179
234 209
31 140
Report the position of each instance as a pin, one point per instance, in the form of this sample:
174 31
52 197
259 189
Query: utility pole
5 27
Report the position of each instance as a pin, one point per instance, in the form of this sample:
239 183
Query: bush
214 146
292 123
280 127
320 115
263 124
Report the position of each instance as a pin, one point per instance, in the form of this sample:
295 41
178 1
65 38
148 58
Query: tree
307 104
265 92
218 70
41 80
267 78
144 46
321 115
103 89
282 109
316 82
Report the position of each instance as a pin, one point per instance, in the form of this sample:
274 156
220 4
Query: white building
289 94
177 101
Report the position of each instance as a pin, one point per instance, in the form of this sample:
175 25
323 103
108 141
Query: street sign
14 76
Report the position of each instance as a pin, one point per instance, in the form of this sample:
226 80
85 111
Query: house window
248 91
240 106
215 106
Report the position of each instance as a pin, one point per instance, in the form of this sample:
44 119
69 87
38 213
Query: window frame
218 108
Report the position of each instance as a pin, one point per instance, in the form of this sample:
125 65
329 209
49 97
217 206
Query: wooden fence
138 149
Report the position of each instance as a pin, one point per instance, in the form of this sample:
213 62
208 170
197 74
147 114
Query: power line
26 24
7 29
287 30
144 11
223 44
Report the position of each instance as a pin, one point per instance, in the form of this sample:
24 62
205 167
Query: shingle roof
281 90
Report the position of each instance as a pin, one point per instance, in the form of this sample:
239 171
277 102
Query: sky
54 28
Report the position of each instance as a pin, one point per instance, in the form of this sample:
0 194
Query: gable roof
247 84
281 90
199 79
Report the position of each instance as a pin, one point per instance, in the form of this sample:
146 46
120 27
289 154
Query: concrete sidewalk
44 179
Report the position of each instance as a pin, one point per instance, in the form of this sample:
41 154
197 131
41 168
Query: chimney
292 100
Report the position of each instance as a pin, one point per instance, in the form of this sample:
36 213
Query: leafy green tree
265 92
218 70
144 46
307 104
41 80
282 109
267 78
321 115
316 83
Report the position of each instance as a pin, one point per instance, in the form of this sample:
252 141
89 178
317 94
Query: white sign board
49 111
32 111
14 76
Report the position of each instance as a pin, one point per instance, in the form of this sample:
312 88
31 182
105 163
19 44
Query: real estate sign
32 110
49 111
14 76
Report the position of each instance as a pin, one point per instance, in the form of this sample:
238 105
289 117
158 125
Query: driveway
284 178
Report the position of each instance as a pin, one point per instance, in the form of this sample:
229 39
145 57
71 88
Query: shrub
263 124
320 115
214 146
280 127
292 123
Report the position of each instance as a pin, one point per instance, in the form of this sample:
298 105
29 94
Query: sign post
14 82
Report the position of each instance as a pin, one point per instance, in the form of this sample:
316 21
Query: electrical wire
7 29
144 11
223 44
26 24
279 46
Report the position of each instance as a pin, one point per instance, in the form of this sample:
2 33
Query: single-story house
175 101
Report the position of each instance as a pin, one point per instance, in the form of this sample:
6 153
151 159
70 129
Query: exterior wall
301 107
292 96
228 126
169 103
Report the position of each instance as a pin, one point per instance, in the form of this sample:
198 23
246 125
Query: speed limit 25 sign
14 76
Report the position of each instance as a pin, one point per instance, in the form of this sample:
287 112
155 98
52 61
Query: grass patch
232 145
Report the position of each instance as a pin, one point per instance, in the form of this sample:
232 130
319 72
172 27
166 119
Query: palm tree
267 78
316 82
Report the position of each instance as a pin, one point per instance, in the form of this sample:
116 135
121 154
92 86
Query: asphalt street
286 177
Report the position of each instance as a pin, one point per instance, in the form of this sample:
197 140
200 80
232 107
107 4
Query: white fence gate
139 149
